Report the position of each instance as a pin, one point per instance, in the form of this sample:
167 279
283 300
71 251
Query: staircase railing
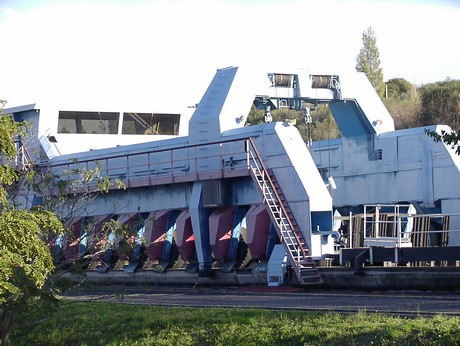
288 231
23 160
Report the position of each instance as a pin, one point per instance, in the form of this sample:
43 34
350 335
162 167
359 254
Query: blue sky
106 50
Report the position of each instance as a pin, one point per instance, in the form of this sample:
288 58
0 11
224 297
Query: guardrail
227 158
397 226
22 160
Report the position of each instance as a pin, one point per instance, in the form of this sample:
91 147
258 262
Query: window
88 122
150 124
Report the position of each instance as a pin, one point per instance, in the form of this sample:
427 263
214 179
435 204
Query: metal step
283 219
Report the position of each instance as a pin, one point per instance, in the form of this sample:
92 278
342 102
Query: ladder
282 218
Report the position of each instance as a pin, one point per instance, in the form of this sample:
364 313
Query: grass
98 323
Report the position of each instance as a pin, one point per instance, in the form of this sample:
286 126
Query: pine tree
368 61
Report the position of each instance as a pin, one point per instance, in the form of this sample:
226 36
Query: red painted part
154 234
257 230
70 246
124 252
96 243
185 239
220 231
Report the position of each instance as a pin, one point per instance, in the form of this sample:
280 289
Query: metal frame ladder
288 231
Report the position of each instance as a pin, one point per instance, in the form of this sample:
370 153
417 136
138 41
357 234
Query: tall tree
368 61
25 259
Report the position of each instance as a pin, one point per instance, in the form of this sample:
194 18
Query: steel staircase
288 231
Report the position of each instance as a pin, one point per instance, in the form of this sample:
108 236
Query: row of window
108 123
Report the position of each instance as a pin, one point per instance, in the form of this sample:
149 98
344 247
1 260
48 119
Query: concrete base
392 278
171 278
369 278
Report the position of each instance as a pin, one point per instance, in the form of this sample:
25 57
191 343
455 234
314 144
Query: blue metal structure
372 163
223 164
219 164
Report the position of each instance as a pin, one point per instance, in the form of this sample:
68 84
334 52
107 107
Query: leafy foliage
399 88
25 259
405 112
434 103
402 100
368 61
69 194
449 138
323 125
27 233
441 103
255 116
8 176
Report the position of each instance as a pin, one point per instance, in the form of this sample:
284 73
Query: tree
27 234
255 116
405 112
441 103
68 196
402 100
399 88
25 259
323 125
451 138
368 61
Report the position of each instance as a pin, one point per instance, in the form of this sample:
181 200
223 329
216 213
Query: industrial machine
371 162
222 196
401 173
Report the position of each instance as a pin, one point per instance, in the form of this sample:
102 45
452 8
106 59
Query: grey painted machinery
227 184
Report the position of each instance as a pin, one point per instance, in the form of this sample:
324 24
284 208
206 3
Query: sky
149 52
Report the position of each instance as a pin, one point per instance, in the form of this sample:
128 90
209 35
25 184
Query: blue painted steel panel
350 118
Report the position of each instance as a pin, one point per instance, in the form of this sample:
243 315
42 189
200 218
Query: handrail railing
396 228
179 163
23 157
290 235
256 158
